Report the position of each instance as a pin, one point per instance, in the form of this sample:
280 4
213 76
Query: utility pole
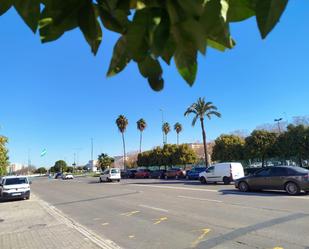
92 149
278 122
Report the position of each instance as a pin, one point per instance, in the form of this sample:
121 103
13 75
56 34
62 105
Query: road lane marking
130 213
154 208
131 236
95 219
158 221
105 224
299 197
278 247
200 238
178 188
199 199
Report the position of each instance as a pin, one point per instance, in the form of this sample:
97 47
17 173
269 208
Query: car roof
10 177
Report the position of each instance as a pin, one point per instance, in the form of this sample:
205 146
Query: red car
142 173
175 173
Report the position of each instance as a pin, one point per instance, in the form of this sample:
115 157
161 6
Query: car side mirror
30 182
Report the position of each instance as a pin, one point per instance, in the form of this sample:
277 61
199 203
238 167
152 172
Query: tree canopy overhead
150 31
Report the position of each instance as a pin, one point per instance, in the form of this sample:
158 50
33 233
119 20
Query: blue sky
56 95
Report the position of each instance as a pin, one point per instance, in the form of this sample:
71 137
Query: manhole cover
37 226
1 220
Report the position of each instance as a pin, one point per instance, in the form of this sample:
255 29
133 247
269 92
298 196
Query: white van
222 172
109 175
12 187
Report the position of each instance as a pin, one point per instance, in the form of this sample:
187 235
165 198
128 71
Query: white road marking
199 199
299 197
178 188
154 208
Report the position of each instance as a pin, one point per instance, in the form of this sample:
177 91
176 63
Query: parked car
160 173
129 173
222 172
142 173
15 187
194 173
110 175
289 178
175 173
67 176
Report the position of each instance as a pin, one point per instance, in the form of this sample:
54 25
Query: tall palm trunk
204 142
177 138
124 151
140 142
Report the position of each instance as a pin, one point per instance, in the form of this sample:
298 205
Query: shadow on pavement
255 193
221 239
96 198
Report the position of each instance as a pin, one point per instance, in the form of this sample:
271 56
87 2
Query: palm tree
141 126
166 129
178 129
122 123
201 109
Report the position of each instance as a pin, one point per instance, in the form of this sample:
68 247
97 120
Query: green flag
43 153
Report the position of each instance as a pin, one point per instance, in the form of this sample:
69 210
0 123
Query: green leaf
114 20
90 26
169 50
240 10
214 23
137 34
268 13
29 10
186 63
151 69
5 5
58 18
120 57
216 45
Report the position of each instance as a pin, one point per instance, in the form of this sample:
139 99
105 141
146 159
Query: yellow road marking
131 213
278 247
105 224
131 236
200 238
158 221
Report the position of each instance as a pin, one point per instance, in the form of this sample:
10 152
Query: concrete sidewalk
33 224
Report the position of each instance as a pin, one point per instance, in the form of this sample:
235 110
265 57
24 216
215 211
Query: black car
160 173
130 173
290 179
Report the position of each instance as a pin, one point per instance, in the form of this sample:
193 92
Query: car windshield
13 181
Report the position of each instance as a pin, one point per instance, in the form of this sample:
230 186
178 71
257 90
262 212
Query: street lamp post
278 122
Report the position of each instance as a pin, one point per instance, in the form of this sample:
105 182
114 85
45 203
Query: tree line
262 145
4 158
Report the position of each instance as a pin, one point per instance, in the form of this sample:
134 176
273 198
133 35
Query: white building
15 167
92 165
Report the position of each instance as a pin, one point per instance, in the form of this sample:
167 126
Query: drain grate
36 226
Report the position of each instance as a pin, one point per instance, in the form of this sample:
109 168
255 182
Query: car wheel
176 177
203 180
226 180
100 180
243 187
292 188
187 177
118 180
27 197
166 177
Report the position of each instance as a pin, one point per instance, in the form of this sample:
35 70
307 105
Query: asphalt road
168 214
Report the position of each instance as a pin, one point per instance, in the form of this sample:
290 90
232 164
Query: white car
13 187
67 176
109 175
222 172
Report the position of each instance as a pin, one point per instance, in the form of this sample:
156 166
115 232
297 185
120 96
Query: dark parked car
142 173
129 173
193 174
160 173
290 179
175 173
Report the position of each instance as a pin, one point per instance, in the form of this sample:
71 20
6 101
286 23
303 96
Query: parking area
153 213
